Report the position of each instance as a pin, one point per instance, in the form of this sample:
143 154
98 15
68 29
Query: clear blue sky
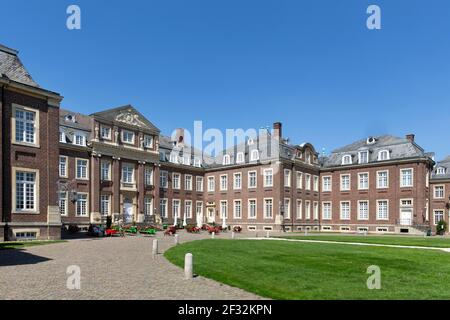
312 65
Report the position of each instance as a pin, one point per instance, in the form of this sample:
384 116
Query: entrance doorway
405 217
211 215
128 210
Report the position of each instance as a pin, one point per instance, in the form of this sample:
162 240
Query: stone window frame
234 208
234 181
378 208
265 171
188 214
14 170
265 208
349 210
256 179
87 169
330 189
299 213
66 198
256 209
122 131
401 178
87 205
443 191
359 181
109 137
36 112
358 217
349 182
378 180
66 169
330 203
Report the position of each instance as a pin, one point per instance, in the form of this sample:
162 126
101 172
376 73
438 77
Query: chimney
278 130
410 137
179 138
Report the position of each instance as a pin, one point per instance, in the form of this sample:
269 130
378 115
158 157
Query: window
211 184
197 162
254 155
25 126
199 208
79 139
363 210
63 166
347 159
105 132
316 210
316 183
299 180
440 170
104 205
287 208
252 179
363 157
176 208
163 207
308 158
148 176
299 209
81 204
406 177
163 179
438 192
188 182
226 160
223 182
199 184
383 155
176 181
308 210
382 210
186 160
62 137
82 169
237 211
127 173
148 206
188 209
63 203
237 181
127 137
438 216
345 210
26 235
240 157
326 184
148 141
363 181
268 208
326 211
345 182
252 208
308 182
26 197
173 157
105 171
268 178
223 209
382 179
287 178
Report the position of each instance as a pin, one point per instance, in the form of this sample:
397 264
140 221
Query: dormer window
70 118
197 163
173 158
187 160
148 141
299 154
79 139
383 155
226 160
440 170
105 132
363 157
62 137
240 157
347 159
254 156
308 158
127 137
371 140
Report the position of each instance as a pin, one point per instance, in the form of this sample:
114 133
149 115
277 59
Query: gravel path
111 268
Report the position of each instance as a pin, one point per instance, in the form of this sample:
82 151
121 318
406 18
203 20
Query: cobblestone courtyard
111 268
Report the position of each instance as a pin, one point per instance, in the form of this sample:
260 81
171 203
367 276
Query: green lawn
289 270
20 245
382 239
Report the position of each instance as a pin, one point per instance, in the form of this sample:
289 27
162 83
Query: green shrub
441 227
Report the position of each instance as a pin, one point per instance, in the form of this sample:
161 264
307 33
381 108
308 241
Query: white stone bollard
213 235
233 235
177 240
188 266
155 248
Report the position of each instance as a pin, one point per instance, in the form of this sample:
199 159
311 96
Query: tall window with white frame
287 208
237 211
188 182
82 169
163 179
223 183
237 181
252 208
25 123
345 182
148 176
345 210
287 178
163 208
211 184
308 210
199 184
63 203
382 210
307 181
148 206
223 209
363 181
105 170
438 216
382 179
188 209
406 178
326 211
316 183
326 184
299 180
268 208
176 208
316 210
363 210
252 182
439 192
268 178
299 210
176 181
63 166
81 205
104 204
127 173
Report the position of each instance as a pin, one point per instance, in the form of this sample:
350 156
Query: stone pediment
130 118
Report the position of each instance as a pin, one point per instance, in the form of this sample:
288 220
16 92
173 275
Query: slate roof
399 148
445 163
12 68
166 145
110 115
82 122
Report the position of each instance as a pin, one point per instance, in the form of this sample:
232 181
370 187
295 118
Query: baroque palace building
62 168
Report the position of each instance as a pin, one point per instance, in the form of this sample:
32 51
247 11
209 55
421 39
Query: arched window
254 155
226 160
240 157
347 159
383 155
